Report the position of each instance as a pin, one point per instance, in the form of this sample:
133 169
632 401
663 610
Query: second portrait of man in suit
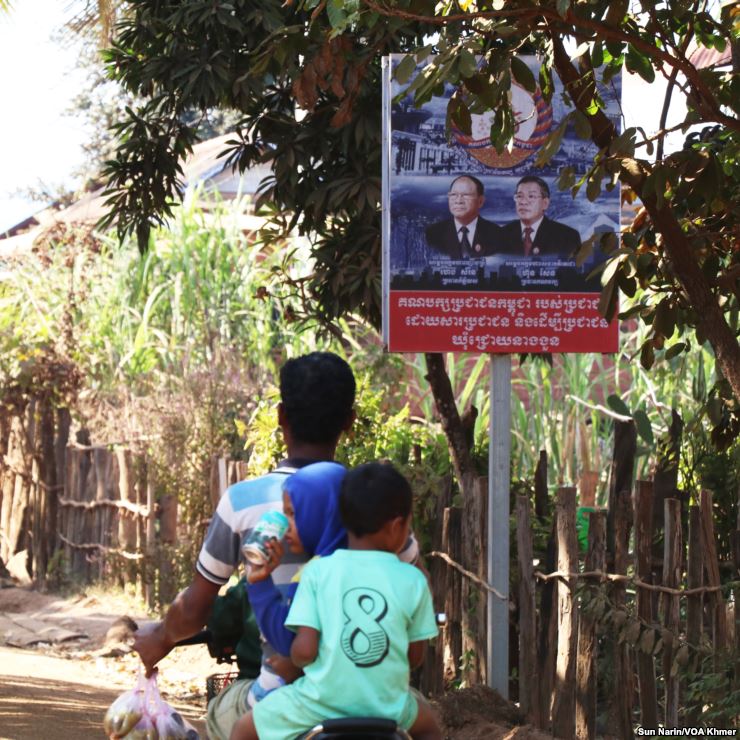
533 233
465 234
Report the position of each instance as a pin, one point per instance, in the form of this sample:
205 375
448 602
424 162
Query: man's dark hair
317 391
544 188
478 184
371 495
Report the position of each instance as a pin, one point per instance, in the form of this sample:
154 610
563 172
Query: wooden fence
92 512
645 614
89 512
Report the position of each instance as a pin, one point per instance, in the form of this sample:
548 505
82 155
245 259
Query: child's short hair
371 495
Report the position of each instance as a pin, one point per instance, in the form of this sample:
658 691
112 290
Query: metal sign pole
499 460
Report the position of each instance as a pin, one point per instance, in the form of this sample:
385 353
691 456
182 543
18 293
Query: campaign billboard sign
481 250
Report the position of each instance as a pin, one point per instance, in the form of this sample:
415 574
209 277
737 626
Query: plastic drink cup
271 524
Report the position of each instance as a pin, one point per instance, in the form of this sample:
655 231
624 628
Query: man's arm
416 653
187 614
305 647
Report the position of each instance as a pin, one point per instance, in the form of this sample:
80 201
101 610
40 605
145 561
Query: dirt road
60 691
45 697
58 685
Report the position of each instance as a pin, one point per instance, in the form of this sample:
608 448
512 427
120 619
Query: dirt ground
58 674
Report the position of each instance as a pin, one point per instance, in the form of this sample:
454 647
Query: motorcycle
342 728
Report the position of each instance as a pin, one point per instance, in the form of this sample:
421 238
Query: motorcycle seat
356 728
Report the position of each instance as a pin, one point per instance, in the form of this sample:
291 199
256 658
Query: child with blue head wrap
311 503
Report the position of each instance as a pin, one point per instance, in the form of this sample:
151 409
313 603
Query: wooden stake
671 577
694 602
643 547
150 543
453 605
622 472
621 707
586 663
547 638
563 711
711 564
527 615
541 500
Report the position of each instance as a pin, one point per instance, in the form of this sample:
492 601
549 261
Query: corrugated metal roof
202 167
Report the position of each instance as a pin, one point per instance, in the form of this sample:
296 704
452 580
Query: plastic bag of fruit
142 714
126 711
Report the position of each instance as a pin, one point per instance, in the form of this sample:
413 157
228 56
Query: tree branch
710 318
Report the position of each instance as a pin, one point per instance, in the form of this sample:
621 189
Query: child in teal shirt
361 618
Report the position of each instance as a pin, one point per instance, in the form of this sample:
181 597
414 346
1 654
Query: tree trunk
457 435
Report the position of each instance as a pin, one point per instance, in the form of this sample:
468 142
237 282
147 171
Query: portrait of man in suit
533 233
465 234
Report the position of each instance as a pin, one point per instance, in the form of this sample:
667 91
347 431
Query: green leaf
552 145
666 314
675 350
616 404
644 427
640 63
523 74
597 54
608 299
468 65
405 69
460 114
647 355
582 125
335 12
562 7
546 84
567 178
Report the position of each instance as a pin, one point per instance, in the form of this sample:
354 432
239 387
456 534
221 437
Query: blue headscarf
314 493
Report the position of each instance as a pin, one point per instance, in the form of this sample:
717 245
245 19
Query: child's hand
284 668
261 572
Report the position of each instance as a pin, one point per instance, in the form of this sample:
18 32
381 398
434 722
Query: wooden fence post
168 507
527 614
541 500
711 564
694 602
548 630
587 485
672 563
623 677
142 475
644 552
45 515
453 606
563 711
16 515
621 474
149 590
587 643
434 672
474 603
127 525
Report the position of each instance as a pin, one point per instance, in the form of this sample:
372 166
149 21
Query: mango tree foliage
305 76
260 57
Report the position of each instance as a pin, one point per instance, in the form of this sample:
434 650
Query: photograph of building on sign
490 233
